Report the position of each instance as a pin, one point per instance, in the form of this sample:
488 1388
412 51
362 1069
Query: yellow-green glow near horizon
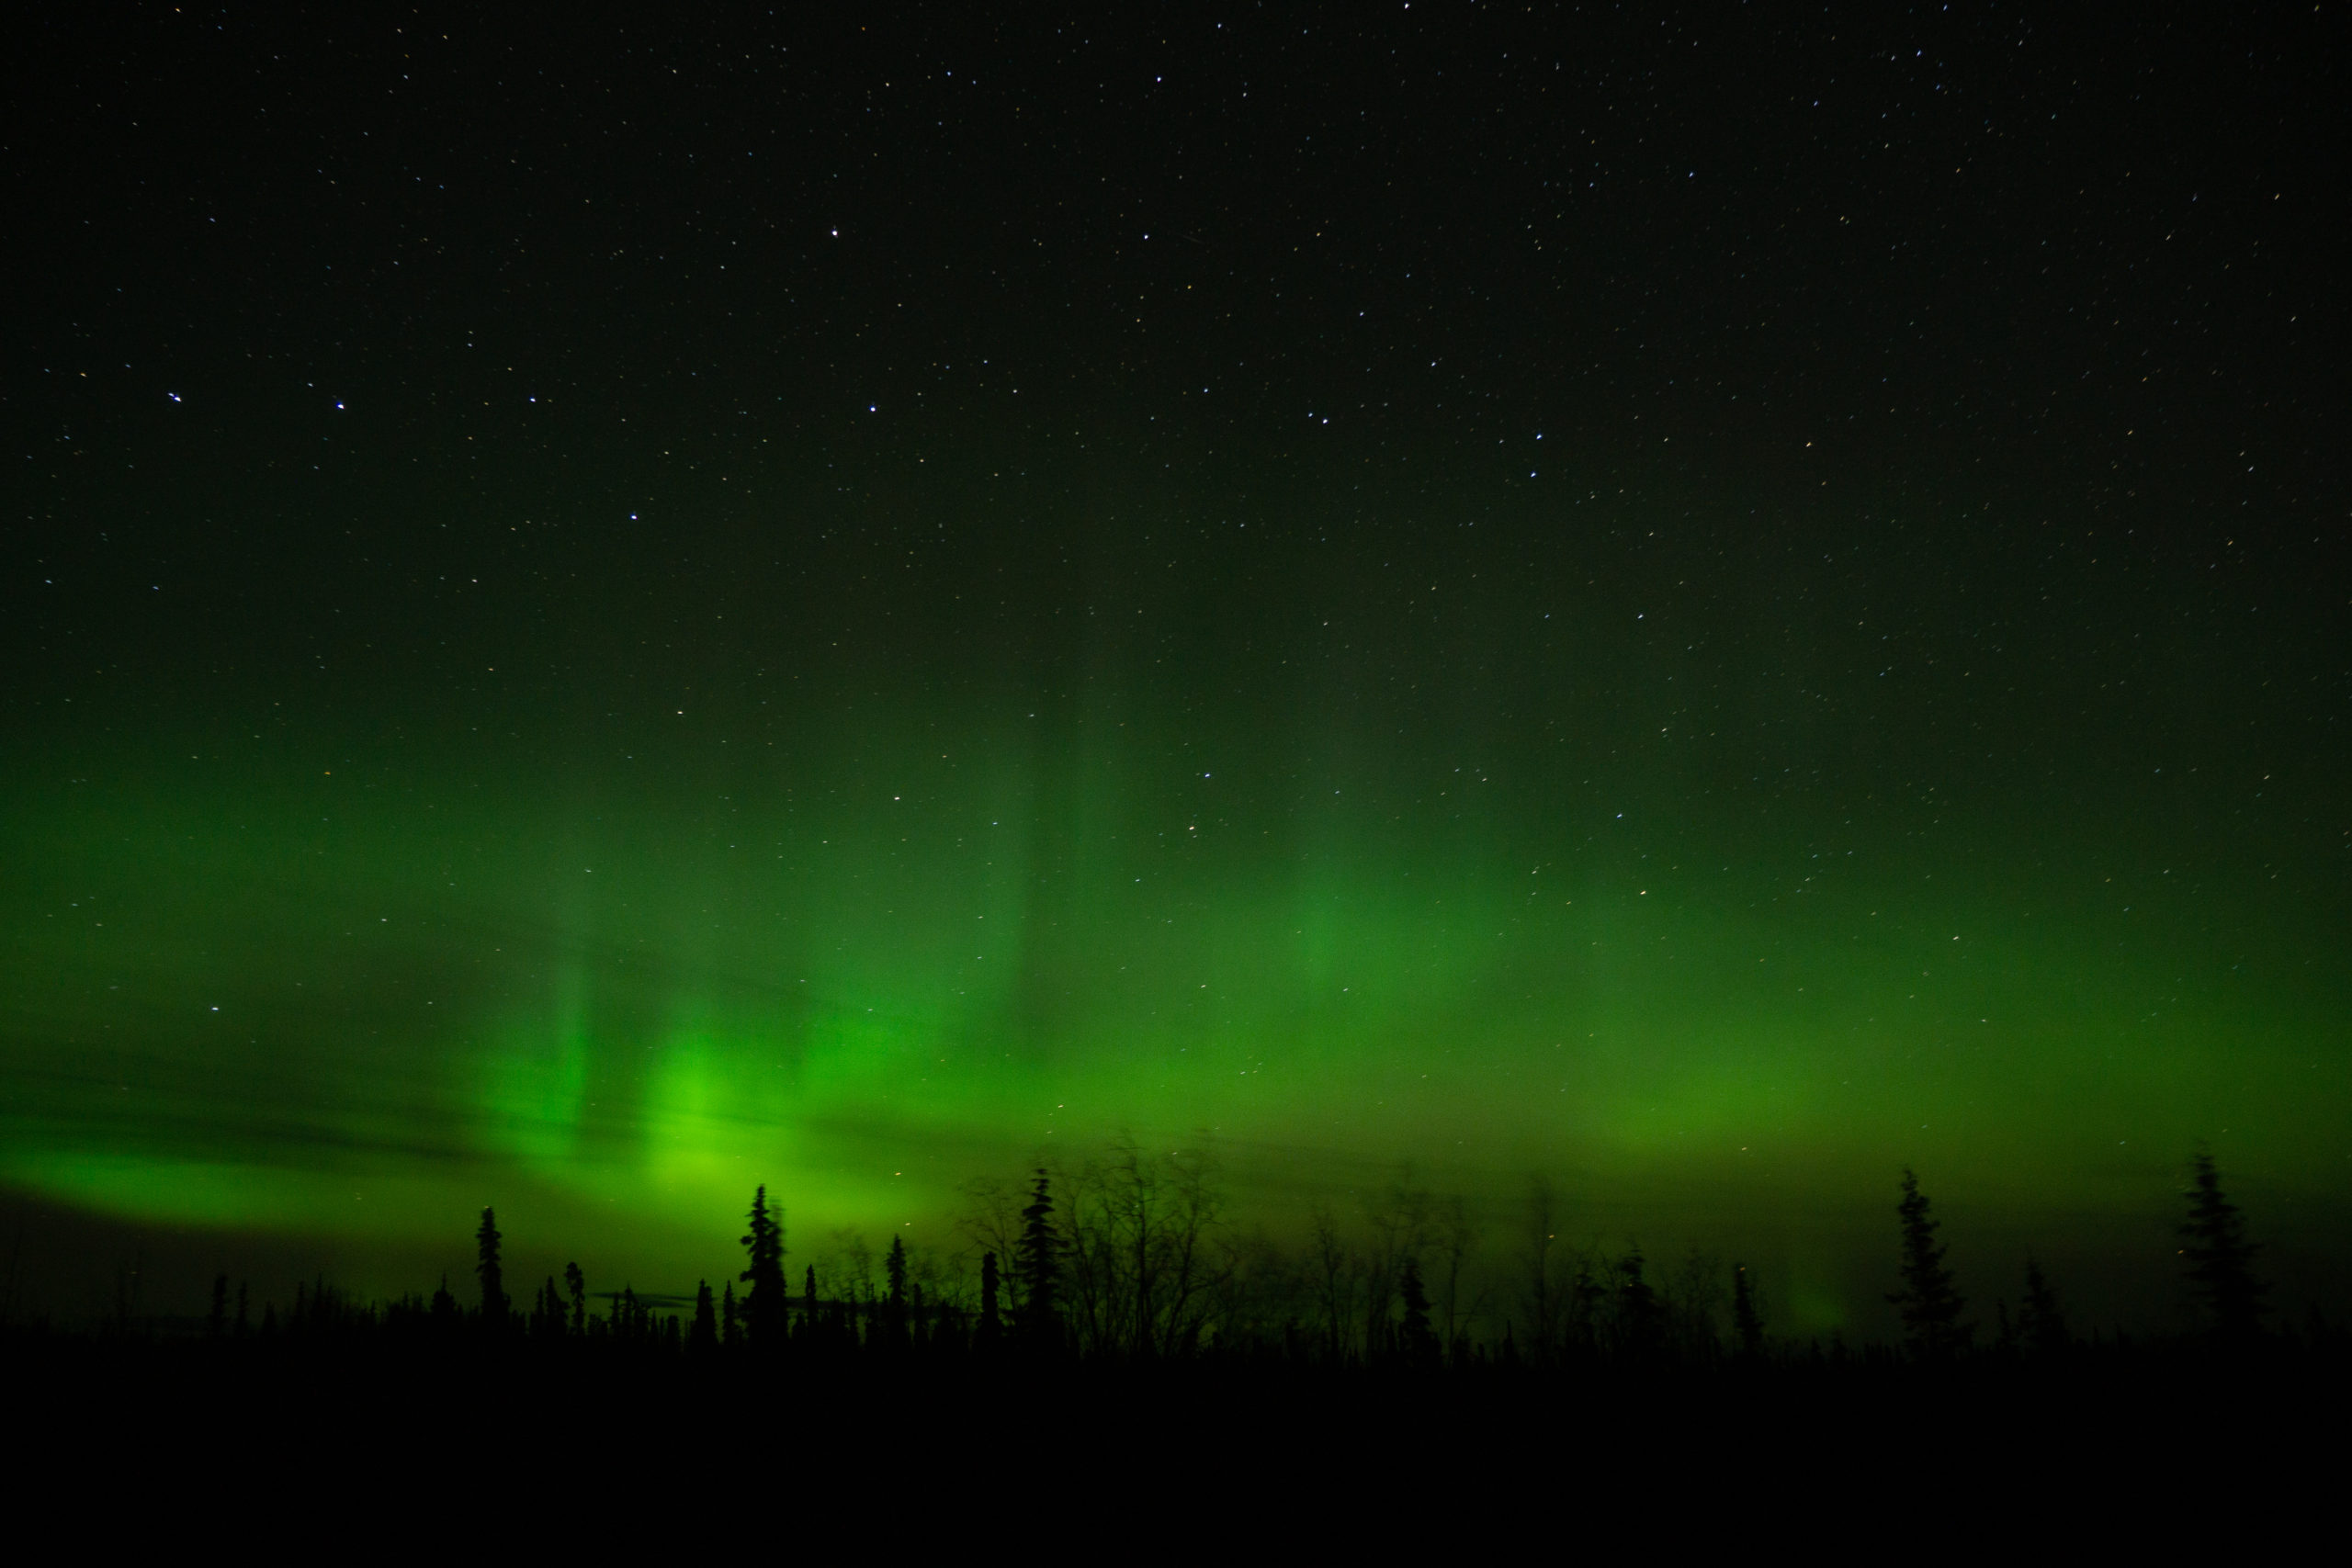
873 606
612 993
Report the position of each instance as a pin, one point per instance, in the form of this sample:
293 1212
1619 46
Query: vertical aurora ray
936 950
891 620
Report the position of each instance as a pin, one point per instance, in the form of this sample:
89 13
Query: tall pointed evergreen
764 1308
1640 1315
486 1265
2220 1261
1746 1317
1037 1264
2041 1321
1413 1335
705 1334
894 1313
991 1328
730 1322
547 1316
1929 1302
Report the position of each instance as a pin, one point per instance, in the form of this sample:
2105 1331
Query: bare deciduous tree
1399 1219
1454 1243
1695 1297
992 1216
1541 1294
1140 1235
1332 1273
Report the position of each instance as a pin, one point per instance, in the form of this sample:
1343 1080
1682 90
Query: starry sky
1709 605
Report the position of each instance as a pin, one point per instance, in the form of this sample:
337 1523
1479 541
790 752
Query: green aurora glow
868 608
863 937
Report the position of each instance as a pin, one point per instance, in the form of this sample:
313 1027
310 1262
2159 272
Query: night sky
1710 605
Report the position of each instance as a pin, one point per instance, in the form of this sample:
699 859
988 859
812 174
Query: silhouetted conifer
1038 1266
1641 1316
2220 1261
809 1300
991 1328
445 1314
1930 1302
764 1305
1413 1335
730 1321
2041 1321
493 1279
577 1283
706 1330
1746 1317
894 1304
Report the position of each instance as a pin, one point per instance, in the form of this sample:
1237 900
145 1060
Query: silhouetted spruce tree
764 1307
577 1283
991 1328
2041 1321
1930 1302
1413 1336
1641 1316
2220 1261
1038 1266
1746 1318
730 1322
445 1314
894 1305
705 1331
808 1301
218 1325
493 1279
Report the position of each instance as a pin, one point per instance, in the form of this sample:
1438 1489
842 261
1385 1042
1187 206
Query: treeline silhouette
1108 1349
1128 1260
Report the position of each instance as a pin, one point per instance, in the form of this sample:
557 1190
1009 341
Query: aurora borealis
597 621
